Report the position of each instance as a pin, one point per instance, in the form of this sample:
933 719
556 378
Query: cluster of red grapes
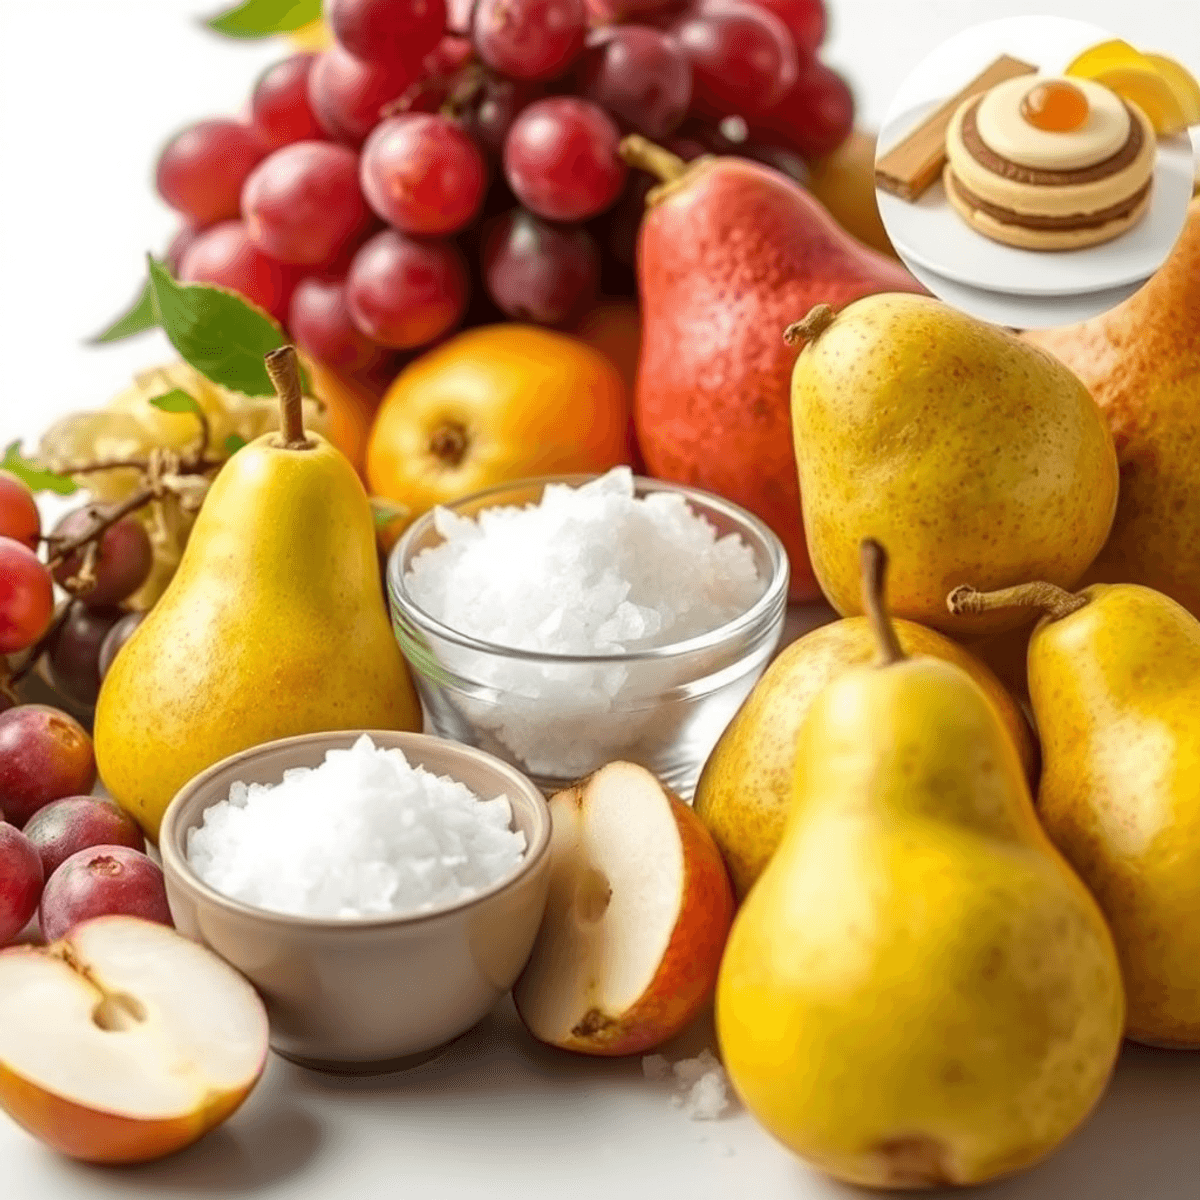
64 854
81 638
437 167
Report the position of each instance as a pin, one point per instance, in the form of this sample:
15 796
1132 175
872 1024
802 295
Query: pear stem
811 326
643 154
284 369
874 573
1053 601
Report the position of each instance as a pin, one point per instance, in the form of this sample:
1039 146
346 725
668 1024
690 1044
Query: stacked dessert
1050 163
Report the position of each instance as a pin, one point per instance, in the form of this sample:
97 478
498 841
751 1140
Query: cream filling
1006 132
1050 200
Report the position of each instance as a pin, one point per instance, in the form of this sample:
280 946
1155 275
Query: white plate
930 234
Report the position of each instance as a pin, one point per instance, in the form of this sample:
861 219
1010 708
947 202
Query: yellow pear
1114 677
918 989
969 453
1142 363
745 789
272 625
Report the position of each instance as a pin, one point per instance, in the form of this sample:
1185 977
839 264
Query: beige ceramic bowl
367 994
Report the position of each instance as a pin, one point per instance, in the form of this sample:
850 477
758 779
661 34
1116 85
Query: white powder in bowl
592 571
365 834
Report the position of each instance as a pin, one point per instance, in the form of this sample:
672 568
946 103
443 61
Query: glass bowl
557 717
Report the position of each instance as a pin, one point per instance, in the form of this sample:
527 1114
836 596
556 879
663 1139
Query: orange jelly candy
1056 106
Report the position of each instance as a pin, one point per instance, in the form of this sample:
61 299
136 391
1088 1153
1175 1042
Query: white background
88 90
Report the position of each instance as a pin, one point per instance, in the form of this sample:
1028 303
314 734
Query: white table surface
88 90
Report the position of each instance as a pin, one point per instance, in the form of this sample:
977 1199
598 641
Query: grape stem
63 550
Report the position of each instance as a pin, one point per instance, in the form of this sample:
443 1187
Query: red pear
728 253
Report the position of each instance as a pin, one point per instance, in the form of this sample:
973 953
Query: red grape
122 563
805 20
529 39
387 30
19 517
347 94
302 204
179 247
116 637
279 105
639 75
224 255
201 170
743 58
26 596
561 159
76 823
449 55
490 112
814 117
423 174
44 755
101 880
320 323
73 657
403 293
540 272
606 12
21 878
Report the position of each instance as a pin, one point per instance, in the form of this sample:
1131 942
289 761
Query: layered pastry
1050 164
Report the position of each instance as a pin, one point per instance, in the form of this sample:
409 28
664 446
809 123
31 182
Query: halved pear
639 909
125 1041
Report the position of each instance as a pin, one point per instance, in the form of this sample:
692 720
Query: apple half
639 909
125 1041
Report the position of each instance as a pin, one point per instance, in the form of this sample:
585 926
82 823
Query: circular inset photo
1036 171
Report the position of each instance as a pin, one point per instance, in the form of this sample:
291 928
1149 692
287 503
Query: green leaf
176 401
139 317
233 443
221 335
385 512
261 18
34 476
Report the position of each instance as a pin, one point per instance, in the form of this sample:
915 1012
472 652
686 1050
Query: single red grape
490 112
319 321
178 247
122 562
743 58
347 94
404 293
561 159
45 754
224 255
302 204
529 39
279 107
26 596
101 880
21 877
423 174
387 30
540 272
19 516
814 117
64 827
640 75
805 20
201 170
73 657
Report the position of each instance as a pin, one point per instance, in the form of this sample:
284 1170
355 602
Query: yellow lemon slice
313 36
1150 92
1104 56
1182 84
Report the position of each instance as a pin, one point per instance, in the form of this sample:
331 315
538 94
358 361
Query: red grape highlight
529 39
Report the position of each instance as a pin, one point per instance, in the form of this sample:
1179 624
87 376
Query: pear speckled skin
272 625
1116 690
918 989
1142 363
968 453
745 789
726 258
